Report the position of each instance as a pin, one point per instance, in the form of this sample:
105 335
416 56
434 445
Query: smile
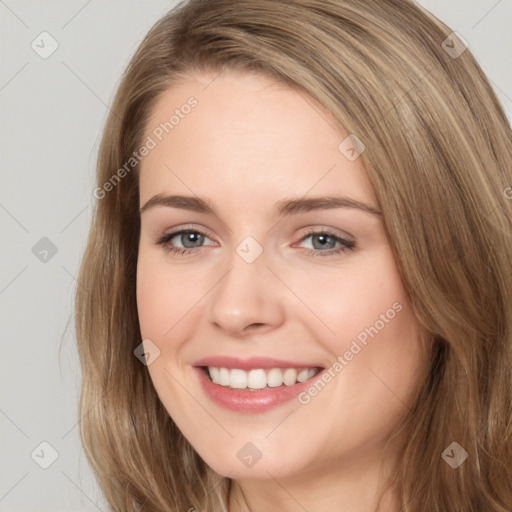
253 385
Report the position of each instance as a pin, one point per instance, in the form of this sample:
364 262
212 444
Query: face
236 281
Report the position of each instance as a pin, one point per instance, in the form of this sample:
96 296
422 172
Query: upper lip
251 363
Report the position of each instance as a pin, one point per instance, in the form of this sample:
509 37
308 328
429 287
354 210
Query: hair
439 157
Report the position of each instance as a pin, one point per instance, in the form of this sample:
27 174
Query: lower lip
250 401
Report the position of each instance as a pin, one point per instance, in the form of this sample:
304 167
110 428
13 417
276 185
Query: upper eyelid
186 228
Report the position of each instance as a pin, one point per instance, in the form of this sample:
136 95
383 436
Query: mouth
254 385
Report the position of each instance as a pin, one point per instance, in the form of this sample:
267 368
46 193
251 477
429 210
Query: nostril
253 327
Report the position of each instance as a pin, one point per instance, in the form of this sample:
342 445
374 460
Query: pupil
324 239
189 238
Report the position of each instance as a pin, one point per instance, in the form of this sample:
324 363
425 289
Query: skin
247 144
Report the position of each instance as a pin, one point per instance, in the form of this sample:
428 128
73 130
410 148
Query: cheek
152 301
162 306
355 301
152 304
373 329
162 298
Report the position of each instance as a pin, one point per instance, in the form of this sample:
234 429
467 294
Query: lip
250 402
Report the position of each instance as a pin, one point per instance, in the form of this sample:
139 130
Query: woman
225 367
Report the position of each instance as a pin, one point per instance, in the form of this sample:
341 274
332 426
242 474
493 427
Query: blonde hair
439 156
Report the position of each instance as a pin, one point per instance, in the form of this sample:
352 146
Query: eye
187 237
329 240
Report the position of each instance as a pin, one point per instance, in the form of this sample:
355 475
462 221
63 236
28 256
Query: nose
249 298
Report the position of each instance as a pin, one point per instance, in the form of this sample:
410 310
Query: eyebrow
283 207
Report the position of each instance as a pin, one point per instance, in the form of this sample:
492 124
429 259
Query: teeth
274 378
224 377
290 376
256 379
302 375
238 379
214 374
259 378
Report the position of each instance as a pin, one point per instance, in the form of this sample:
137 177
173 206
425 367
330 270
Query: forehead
246 135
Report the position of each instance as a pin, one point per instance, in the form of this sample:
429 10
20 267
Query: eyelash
346 245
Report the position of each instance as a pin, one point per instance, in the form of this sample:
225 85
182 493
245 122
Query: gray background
53 110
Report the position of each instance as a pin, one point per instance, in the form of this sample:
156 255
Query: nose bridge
247 293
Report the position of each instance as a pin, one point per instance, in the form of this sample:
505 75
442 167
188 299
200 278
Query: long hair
438 152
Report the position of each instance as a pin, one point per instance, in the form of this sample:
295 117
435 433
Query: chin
244 461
